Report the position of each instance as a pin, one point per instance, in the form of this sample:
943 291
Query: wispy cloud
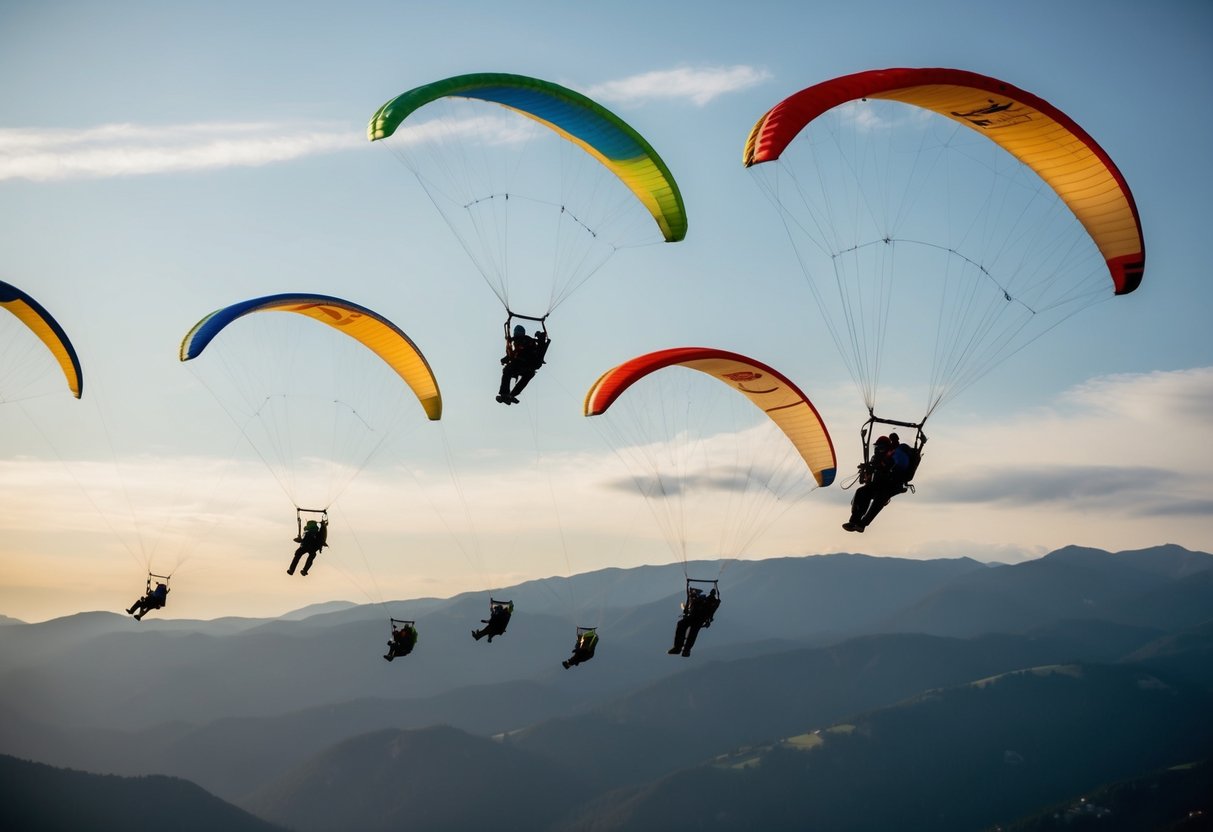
1088 485
699 86
862 117
136 150
490 130
729 480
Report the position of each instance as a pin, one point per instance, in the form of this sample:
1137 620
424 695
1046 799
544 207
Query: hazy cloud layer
700 86
732 480
133 150
1115 463
1115 444
1034 485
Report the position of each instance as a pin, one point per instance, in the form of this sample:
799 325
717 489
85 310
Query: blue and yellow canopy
365 326
30 312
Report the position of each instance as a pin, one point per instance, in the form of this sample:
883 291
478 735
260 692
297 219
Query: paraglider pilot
314 538
404 639
523 357
153 600
583 649
495 624
697 612
883 478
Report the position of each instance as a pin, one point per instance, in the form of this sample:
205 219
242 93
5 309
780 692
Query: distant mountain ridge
140 674
264 713
49 799
1070 583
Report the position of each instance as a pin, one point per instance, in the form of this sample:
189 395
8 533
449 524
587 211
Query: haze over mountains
835 692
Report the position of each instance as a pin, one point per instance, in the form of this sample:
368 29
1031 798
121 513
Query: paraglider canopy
769 390
719 445
369 328
540 184
579 119
940 202
317 392
1031 129
31 313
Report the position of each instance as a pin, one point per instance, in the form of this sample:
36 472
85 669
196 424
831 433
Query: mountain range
836 691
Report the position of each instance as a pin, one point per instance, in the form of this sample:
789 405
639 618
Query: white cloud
134 150
1117 463
697 85
862 117
490 130
1146 426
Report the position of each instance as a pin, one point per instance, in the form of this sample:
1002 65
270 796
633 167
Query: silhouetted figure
404 639
882 478
155 599
523 357
314 538
583 649
498 620
697 612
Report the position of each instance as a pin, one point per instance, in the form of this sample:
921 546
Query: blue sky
158 161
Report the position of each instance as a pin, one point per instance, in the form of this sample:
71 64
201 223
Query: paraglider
881 478
153 599
524 355
403 640
311 542
698 610
943 202
330 371
36 359
583 647
540 184
719 445
498 620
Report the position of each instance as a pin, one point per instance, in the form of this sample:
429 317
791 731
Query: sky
159 161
